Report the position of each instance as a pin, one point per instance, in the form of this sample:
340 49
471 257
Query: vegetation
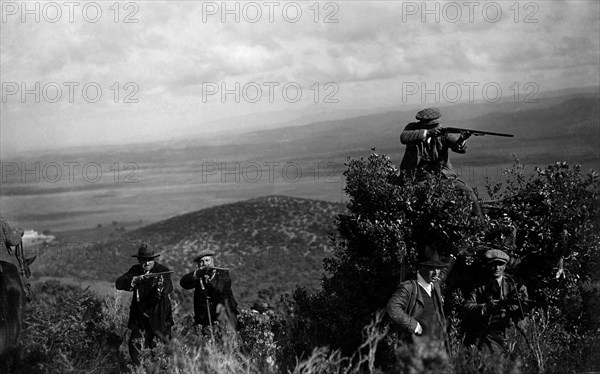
547 221
555 213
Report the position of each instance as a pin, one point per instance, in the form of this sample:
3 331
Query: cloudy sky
169 67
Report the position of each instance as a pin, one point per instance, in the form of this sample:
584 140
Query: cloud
371 49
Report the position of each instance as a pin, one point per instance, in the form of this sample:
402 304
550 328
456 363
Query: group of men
416 307
150 314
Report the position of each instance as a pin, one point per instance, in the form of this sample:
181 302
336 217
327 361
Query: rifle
23 262
215 268
156 275
149 276
524 303
212 334
458 130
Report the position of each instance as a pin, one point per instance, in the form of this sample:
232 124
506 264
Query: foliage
69 329
547 221
376 245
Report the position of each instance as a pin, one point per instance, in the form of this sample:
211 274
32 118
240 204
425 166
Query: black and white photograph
300 187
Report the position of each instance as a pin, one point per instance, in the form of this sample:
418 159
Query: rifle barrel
153 275
456 130
217 268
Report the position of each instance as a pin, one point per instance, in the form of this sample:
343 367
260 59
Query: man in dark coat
427 150
416 307
150 314
212 291
492 304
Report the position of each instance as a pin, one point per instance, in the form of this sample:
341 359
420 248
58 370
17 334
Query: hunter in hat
416 307
493 303
213 298
427 151
150 314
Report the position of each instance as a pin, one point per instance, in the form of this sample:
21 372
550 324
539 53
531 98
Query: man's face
205 261
496 269
430 274
147 263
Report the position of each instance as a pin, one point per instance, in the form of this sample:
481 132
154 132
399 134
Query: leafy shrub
68 329
547 221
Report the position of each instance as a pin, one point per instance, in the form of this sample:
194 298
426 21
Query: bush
68 329
547 222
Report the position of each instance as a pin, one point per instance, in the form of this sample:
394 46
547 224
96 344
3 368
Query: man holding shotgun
150 314
428 146
213 298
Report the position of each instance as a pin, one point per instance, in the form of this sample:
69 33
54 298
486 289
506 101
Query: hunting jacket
216 291
406 304
430 154
487 322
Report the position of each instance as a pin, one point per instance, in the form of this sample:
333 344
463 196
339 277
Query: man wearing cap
417 306
427 148
150 314
492 304
213 298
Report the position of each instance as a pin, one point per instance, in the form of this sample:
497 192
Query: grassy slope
271 244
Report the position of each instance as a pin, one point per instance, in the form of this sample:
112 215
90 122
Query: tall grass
72 330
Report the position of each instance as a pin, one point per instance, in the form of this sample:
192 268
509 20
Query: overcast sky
175 57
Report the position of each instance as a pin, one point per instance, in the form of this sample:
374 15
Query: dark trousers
467 190
148 335
494 342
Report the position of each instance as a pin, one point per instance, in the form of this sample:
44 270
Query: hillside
270 243
188 175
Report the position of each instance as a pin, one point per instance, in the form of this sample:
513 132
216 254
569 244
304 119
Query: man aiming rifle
427 148
213 297
150 314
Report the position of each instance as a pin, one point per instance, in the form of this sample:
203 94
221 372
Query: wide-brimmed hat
145 251
496 255
204 253
434 263
433 260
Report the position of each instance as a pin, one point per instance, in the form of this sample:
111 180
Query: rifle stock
458 130
23 262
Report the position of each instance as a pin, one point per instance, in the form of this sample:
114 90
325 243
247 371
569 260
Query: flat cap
492 255
204 253
428 114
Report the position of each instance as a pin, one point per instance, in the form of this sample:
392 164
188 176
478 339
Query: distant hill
271 244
